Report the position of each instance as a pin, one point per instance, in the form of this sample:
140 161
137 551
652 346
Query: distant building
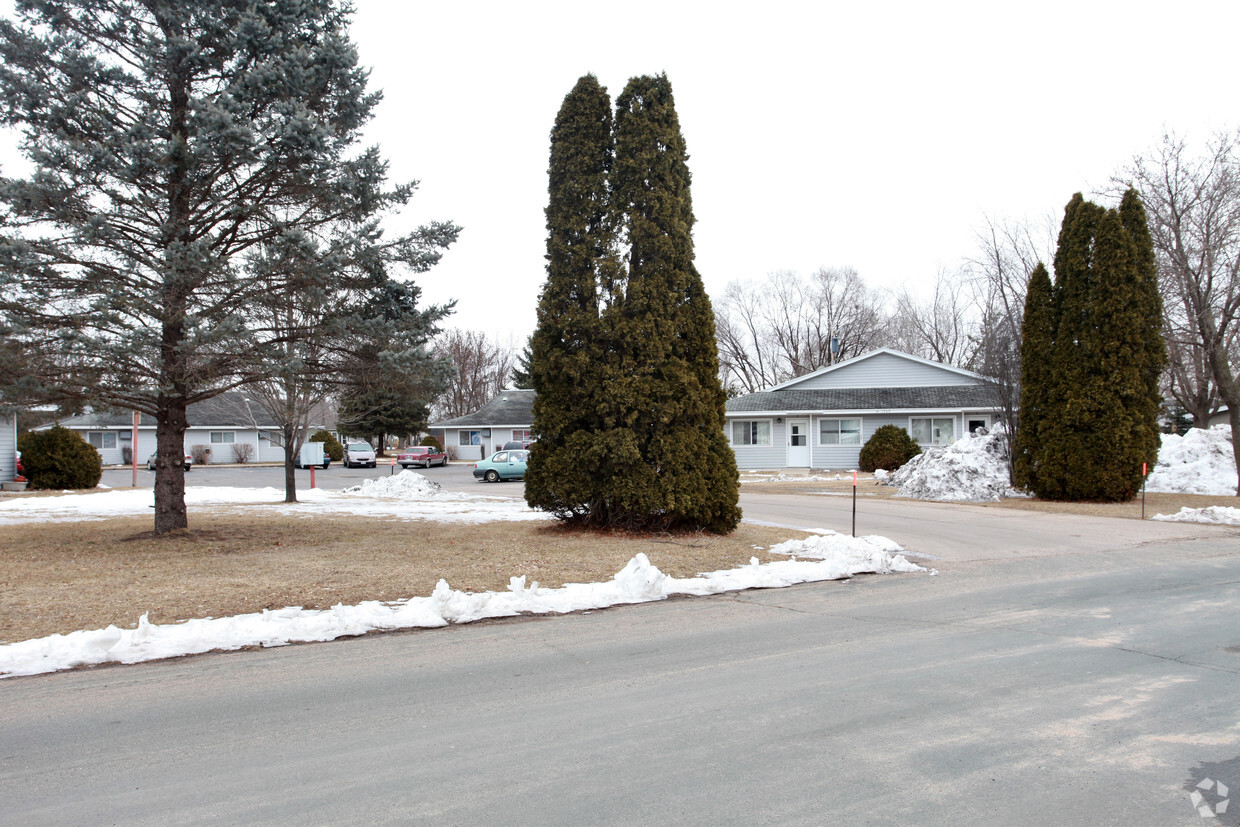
509 417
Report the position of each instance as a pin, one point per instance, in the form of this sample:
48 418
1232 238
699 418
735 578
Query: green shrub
889 448
59 458
331 445
429 440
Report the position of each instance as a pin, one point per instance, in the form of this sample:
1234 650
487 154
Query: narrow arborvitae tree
1036 348
1097 410
568 350
673 467
1149 317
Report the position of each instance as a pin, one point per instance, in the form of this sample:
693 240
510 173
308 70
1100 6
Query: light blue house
8 447
821 419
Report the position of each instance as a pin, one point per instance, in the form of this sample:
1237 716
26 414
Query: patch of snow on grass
973 469
1200 462
1215 515
638 582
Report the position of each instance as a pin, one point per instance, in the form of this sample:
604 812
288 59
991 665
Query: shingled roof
512 407
228 410
866 399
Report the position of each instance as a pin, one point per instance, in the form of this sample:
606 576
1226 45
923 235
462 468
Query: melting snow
637 582
1200 462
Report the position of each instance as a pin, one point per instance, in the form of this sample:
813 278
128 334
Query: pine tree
666 404
568 348
1036 350
170 141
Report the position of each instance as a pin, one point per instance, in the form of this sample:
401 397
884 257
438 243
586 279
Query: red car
422 455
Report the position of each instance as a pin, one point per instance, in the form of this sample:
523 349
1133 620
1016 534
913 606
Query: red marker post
1144 474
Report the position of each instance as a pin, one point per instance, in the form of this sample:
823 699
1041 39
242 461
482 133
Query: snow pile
971 469
406 484
855 555
1200 462
637 582
1215 515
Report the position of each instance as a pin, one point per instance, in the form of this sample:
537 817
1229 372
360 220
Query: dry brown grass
59 577
1154 503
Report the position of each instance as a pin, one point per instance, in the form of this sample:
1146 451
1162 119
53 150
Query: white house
508 417
822 419
221 423
8 447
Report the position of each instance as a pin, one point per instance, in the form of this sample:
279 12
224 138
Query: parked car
423 455
503 465
508 446
150 461
359 455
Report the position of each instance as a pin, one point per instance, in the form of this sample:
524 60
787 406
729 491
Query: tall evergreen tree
1149 313
1096 406
568 350
630 411
666 403
1036 350
169 142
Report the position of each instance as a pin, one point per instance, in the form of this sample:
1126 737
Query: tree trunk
170 424
290 463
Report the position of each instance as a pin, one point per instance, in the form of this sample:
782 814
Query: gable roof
922 398
856 362
511 407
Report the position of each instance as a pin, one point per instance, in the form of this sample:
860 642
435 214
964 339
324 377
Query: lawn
64 576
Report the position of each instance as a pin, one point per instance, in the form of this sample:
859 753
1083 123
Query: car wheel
492 475
325 465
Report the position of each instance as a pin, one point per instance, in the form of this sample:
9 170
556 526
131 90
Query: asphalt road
1033 682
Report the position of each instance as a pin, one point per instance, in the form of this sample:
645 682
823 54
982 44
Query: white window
839 432
103 440
755 432
522 436
222 437
469 437
932 431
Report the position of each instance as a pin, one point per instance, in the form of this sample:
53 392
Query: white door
798 443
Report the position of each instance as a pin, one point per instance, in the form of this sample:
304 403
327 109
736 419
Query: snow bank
406 484
405 496
970 470
751 477
1215 514
1200 462
638 582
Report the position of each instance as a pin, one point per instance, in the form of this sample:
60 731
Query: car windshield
415 450
358 446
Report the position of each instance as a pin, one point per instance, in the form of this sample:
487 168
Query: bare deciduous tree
784 326
1193 203
481 369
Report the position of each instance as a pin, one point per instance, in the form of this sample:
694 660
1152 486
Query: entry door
798 443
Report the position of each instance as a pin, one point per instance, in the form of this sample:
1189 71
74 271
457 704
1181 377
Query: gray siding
883 370
8 448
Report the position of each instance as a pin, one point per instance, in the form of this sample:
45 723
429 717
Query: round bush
331 445
59 458
889 448
430 441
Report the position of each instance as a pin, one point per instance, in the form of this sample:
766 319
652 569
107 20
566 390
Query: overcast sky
872 135
876 136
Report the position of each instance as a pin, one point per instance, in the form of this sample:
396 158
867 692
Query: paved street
1079 671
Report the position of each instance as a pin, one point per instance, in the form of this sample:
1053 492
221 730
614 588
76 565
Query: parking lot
456 476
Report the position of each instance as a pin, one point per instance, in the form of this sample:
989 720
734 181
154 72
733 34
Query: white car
359 455
150 461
